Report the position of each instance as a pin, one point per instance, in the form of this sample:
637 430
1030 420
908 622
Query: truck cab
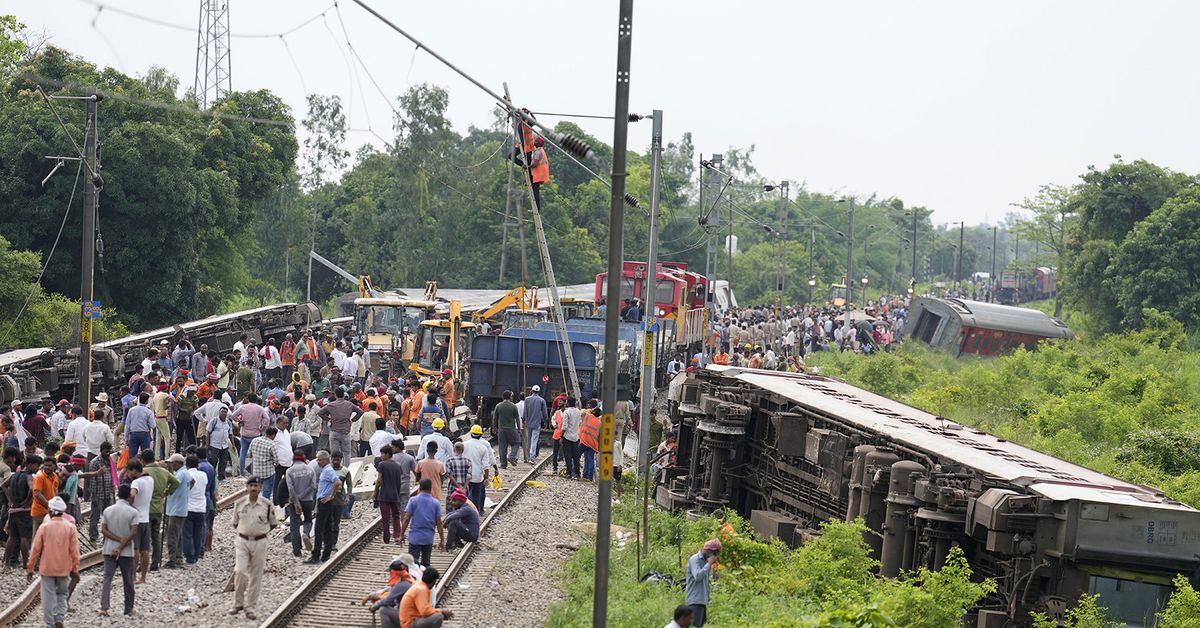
389 327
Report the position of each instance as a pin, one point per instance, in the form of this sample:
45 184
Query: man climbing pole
539 170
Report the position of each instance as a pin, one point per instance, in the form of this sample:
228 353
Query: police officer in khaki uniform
253 517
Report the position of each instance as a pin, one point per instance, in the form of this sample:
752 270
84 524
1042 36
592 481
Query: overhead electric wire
191 29
33 289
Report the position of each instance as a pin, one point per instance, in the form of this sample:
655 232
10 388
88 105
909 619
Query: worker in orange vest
539 170
589 439
557 423
722 356
449 393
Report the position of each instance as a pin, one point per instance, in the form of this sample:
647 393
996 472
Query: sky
962 107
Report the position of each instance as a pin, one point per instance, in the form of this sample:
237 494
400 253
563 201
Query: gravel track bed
525 538
165 590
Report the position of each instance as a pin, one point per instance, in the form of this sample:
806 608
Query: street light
865 280
812 283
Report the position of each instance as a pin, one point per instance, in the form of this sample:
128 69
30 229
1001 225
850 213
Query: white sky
962 107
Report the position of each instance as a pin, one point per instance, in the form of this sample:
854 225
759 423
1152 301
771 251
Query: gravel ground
166 590
532 539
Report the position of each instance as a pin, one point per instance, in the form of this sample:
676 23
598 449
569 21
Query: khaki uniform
253 522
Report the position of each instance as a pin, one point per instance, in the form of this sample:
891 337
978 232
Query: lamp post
812 283
865 280
783 201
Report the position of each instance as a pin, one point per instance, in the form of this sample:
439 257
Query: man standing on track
119 526
535 415
507 418
424 513
340 414
325 535
302 491
55 551
392 477
480 453
254 518
572 419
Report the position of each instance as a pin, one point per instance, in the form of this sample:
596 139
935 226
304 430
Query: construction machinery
517 308
443 343
839 294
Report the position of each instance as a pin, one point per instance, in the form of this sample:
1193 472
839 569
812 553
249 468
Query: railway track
331 595
90 556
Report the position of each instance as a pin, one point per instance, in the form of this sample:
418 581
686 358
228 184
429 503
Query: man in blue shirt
424 513
139 422
325 534
176 511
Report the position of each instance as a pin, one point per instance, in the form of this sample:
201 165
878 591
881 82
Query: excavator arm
521 297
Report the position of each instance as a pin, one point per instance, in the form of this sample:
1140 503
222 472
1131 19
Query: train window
1135 603
927 326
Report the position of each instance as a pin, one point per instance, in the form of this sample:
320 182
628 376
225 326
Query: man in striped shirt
263 455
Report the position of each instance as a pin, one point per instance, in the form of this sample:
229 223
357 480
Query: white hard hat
536 388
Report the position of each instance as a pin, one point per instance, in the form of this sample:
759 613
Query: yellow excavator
518 307
443 344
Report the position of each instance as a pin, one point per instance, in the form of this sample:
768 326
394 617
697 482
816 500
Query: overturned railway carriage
32 374
788 451
963 326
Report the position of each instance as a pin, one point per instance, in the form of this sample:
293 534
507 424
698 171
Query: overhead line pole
647 386
87 310
616 251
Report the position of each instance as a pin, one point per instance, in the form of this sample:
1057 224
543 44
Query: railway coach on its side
963 326
789 451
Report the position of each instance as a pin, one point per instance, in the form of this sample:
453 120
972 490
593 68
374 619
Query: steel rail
24 603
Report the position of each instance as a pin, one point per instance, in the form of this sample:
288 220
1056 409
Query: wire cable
38 282
101 6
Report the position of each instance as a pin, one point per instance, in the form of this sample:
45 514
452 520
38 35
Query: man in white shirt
351 364
339 357
283 461
272 360
483 460
58 420
209 411
75 429
95 433
195 528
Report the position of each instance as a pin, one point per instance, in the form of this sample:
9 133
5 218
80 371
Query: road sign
606 446
650 325
91 309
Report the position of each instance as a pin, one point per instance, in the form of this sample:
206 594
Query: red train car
963 326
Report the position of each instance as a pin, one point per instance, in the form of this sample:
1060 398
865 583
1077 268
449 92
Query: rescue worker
448 391
254 518
539 171
589 440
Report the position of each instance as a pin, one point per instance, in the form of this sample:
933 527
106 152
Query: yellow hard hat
426 386
477 430
438 424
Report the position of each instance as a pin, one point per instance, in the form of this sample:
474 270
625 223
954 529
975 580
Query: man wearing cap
301 483
697 589
55 552
483 461
119 524
536 414
462 524
507 418
254 518
447 388
438 435
387 602
176 511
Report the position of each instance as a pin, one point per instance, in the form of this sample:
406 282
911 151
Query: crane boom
365 287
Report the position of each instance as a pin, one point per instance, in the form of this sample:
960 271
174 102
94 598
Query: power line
182 27
38 282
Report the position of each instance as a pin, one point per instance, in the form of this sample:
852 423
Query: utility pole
850 256
616 244
783 201
812 244
88 309
913 281
962 225
213 65
504 232
992 276
647 387
729 243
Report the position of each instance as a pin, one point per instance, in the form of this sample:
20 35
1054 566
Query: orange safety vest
557 422
541 172
413 415
449 394
526 139
589 431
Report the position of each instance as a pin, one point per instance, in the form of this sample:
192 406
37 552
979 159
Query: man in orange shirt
415 611
55 552
448 392
539 170
45 488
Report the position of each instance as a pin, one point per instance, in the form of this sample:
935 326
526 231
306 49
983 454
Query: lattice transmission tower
213 79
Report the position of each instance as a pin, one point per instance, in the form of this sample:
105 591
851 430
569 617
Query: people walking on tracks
507 418
177 511
19 488
45 488
698 587
344 498
387 601
326 533
302 493
143 493
196 528
253 420
458 469
572 419
220 432
438 435
119 525
423 515
392 480
55 553
101 482
683 617
139 424
415 609
462 522
283 460
536 414
340 413
254 518
263 454
483 461
432 469
164 483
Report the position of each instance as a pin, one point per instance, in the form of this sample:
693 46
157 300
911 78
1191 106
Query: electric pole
616 251
783 201
88 309
913 281
507 213
812 244
647 387
729 244
213 67
850 255
962 226
992 276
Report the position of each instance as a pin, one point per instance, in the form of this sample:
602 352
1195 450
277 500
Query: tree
1048 224
323 152
1158 264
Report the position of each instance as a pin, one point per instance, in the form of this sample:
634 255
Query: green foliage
12 48
1085 614
826 582
1183 611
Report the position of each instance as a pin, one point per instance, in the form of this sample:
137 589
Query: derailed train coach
39 373
788 451
962 326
